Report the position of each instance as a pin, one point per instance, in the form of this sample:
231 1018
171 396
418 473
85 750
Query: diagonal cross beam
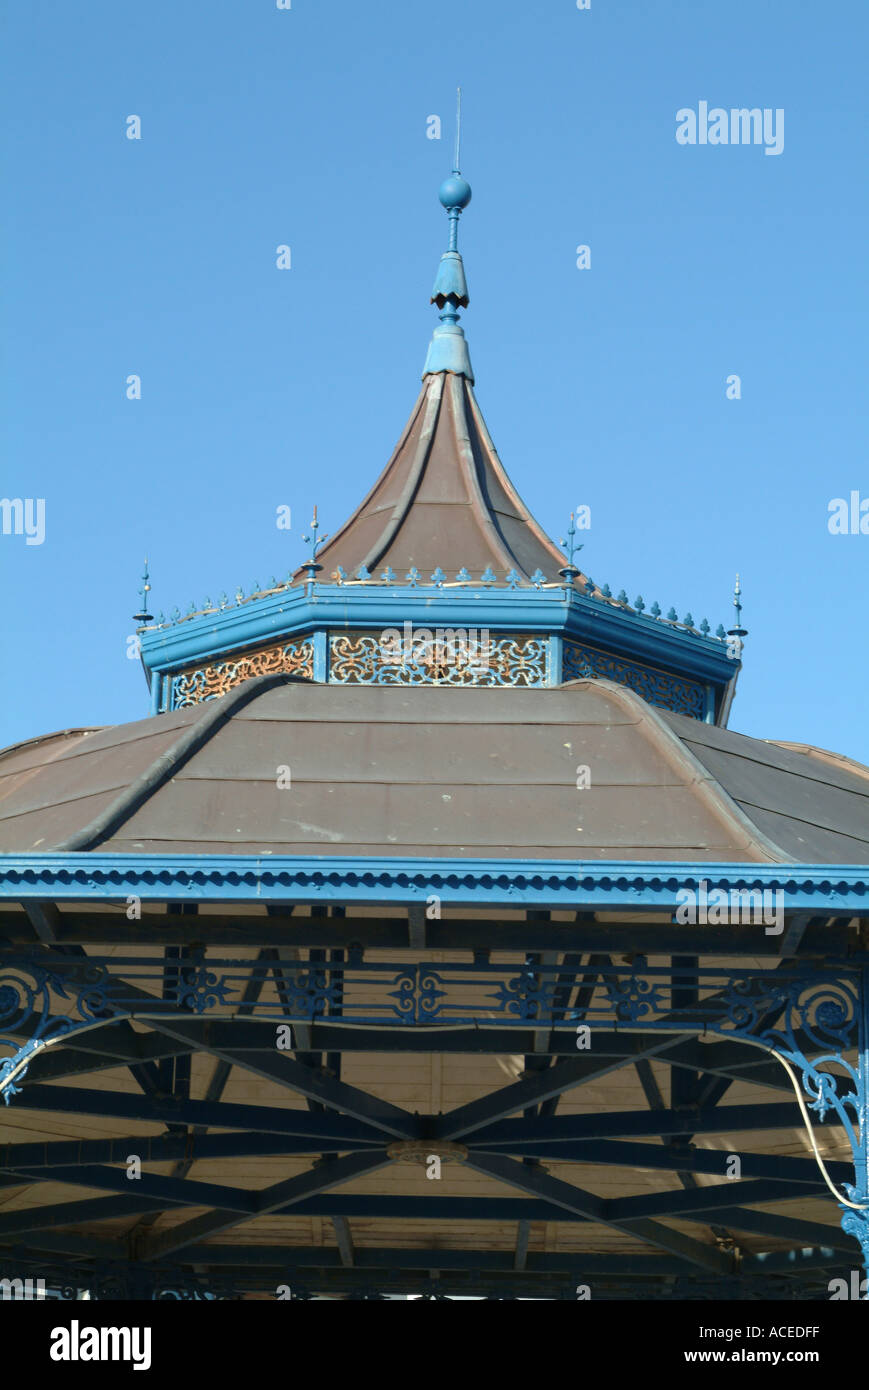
532 1090
562 1194
336 1095
322 1178
171 1191
270 1119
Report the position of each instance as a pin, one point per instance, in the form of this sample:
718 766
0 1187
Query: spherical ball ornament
455 192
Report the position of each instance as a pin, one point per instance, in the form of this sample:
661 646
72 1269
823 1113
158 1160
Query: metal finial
144 616
314 542
738 630
456 166
448 351
570 548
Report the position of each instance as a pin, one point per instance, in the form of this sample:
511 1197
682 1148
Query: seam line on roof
480 505
46 738
81 749
168 762
800 820
787 771
708 786
434 405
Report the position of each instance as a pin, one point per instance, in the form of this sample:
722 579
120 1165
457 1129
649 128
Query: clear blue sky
261 387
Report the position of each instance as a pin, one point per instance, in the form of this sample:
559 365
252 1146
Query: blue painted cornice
555 883
556 609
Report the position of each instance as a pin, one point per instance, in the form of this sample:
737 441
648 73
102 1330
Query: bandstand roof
556 822
435 771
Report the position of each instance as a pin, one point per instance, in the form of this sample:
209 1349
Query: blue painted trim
343 607
709 705
81 876
554 660
157 683
321 655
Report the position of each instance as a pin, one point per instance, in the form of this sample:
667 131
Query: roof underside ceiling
572 1168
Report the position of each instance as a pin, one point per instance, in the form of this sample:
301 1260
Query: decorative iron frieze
443 656
208 682
815 1021
657 687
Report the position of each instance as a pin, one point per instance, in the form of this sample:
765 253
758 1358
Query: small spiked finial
314 542
737 602
738 632
570 549
144 616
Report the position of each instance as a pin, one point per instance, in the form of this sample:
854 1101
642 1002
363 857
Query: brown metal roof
815 806
441 772
444 499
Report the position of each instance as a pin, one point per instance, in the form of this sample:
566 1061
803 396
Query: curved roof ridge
422 453
467 461
716 796
506 482
215 714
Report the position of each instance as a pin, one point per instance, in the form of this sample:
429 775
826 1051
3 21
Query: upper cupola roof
443 500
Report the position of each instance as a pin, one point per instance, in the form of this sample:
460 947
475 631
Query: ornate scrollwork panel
657 687
208 682
444 656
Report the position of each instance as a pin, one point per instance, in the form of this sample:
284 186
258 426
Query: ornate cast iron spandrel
208 682
363 658
657 687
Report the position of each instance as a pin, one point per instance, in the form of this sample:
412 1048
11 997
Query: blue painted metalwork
452 656
27 995
282 610
143 616
570 548
321 656
554 660
814 1009
448 351
856 1222
314 541
660 688
158 692
554 610
738 633
612 885
208 682
811 1017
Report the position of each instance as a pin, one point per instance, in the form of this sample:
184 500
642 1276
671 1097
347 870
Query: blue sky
261 387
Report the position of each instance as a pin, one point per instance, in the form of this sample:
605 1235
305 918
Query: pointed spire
314 541
738 631
143 616
570 548
448 351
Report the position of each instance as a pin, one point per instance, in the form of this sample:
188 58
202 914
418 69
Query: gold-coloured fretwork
207 682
